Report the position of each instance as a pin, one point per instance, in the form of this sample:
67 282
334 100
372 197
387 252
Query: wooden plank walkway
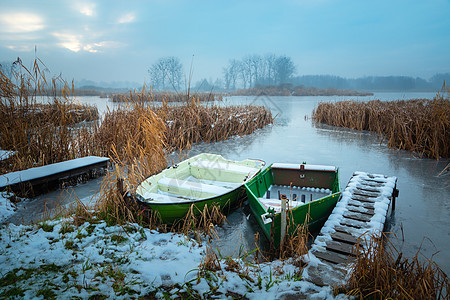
361 211
32 180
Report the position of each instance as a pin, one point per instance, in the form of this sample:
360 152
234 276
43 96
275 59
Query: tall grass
136 136
421 126
381 272
193 122
148 96
40 133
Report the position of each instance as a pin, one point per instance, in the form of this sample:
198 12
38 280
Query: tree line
251 70
256 70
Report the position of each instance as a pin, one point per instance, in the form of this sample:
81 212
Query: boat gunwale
143 200
259 165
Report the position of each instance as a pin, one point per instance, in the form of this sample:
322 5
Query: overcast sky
119 40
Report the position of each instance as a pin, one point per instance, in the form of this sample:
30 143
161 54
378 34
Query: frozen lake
422 216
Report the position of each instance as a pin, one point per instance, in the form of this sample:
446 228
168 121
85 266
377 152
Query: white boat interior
296 196
203 176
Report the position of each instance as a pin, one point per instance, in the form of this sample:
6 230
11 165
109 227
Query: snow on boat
310 193
204 179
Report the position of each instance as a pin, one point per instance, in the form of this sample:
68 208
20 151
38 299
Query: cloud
20 48
21 22
76 43
87 9
97 47
126 18
69 41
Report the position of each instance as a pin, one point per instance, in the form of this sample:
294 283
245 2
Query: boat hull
200 181
311 214
170 213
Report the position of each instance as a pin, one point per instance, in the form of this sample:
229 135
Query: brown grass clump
162 97
381 272
40 133
134 139
200 221
195 123
420 125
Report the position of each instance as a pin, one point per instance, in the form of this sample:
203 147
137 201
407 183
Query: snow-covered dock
360 213
37 178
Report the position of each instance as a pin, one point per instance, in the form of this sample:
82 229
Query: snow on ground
56 258
7 208
4 154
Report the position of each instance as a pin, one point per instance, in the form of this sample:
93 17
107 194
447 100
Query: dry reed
136 136
195 123
148 96
421 126
39 133
381 272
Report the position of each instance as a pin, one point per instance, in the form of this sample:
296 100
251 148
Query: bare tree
284 69
166 73
231 73
257 68
269 60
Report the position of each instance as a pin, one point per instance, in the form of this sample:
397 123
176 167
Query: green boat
204 179
310 192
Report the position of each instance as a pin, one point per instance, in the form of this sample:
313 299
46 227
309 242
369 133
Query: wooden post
283 219
394 196
120 186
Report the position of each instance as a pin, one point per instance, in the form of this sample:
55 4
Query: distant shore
289 90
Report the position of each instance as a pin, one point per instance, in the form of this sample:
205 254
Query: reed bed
195 123
381 272
421 126
40 133
137 137
148 96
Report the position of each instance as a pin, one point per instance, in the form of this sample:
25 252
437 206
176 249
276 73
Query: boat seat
276 204
155 197
206 164
193 186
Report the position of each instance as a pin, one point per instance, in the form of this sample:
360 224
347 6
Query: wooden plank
34 181
341 248
344 237
357 216
368 188
352 223
363 204
50 172
371 183
362 198
365 194
374 181
334 258
361 210
344 229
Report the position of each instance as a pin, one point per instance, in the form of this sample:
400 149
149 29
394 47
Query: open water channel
421 220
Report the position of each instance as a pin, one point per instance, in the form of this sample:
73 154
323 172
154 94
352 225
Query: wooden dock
360 212
41 179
